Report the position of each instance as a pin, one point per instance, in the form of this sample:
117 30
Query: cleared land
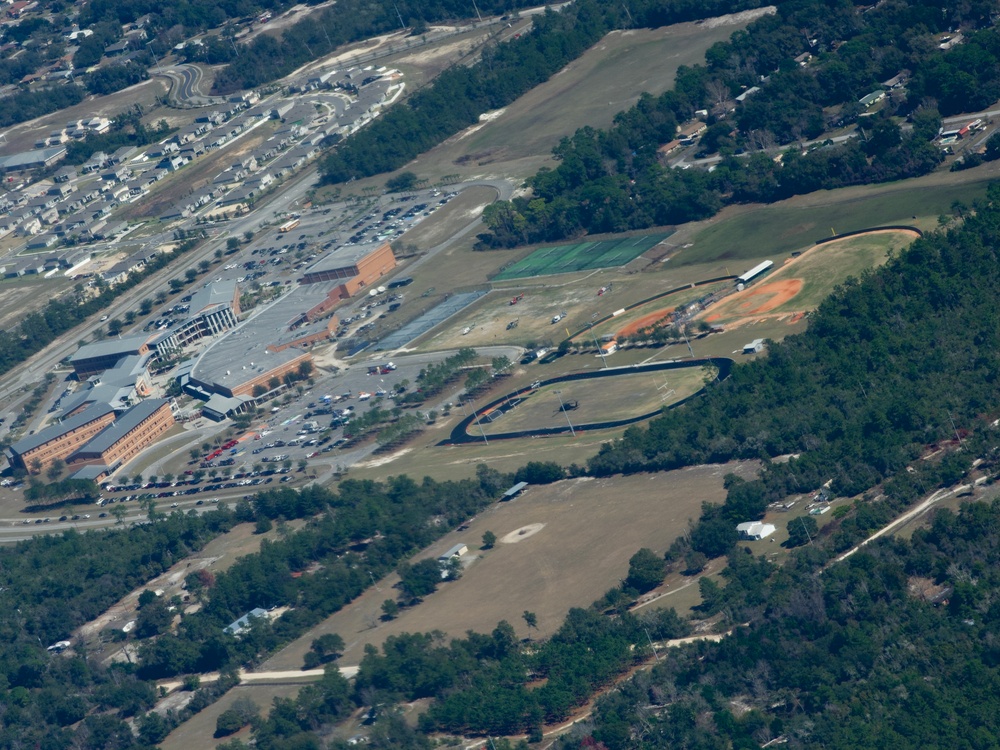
567 563
22 296
607 79
197 732
598 400
582 256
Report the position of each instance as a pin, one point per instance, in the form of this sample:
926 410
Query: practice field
567 561
802 283
595 400
582 256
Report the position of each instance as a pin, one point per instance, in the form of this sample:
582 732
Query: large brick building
356 267
36 453
126 437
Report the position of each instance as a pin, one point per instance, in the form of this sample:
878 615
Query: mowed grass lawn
598 400
796 224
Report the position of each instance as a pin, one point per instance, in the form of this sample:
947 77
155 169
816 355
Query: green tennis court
582 256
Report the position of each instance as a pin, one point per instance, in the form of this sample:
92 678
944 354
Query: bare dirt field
568 562
25 295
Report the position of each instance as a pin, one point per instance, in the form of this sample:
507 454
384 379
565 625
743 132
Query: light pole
562 408
600 349
481 430
475 414
155 58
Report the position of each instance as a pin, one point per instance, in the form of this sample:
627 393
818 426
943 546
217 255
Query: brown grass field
196 733
569 562
591 90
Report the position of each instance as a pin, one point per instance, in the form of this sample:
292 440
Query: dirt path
265 678
906 517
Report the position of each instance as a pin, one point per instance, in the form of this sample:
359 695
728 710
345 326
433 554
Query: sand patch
522 533
376 462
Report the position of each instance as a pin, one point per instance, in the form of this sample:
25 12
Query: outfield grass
826 266
819 270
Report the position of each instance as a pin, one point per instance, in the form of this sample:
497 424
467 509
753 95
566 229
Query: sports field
803 282
582 256
594 400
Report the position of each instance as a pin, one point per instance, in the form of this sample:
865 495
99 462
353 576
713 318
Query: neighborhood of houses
60 215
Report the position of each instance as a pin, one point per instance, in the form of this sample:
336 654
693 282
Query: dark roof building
93 359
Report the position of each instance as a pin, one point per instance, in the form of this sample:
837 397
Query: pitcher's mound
522 533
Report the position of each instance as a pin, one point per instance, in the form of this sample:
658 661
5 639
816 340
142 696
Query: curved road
184 86
460 434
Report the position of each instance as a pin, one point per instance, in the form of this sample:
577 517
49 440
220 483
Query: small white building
454 553
457 551
754 347
755 530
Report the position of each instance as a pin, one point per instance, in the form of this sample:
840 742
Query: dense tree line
583 194
112 78
27 105
268 58
859 395
505 72
895 647
363 530
52 585
615 180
